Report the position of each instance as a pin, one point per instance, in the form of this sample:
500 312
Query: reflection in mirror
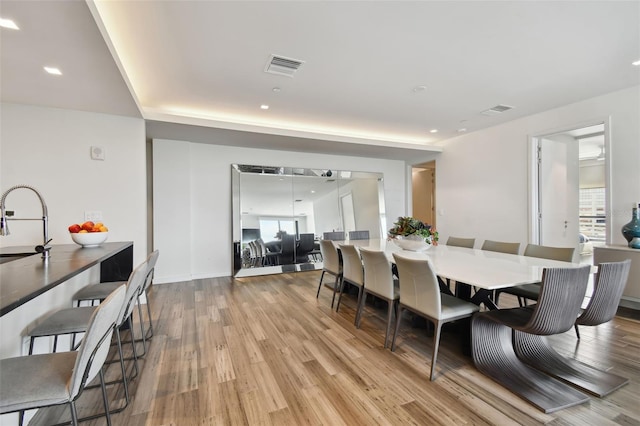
280 213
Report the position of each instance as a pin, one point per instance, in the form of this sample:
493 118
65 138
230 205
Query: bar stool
36 381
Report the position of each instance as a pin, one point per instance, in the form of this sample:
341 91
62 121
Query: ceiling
376 78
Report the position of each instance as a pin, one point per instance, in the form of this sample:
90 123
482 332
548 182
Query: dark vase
632 229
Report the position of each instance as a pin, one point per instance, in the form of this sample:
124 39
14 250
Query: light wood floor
264 350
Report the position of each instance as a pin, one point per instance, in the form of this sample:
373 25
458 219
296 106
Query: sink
10 257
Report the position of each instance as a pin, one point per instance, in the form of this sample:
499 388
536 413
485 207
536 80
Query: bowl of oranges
89 234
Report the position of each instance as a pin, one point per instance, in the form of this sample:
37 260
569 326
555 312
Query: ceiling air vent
498 109
282 66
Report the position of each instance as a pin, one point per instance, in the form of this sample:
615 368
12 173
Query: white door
558 197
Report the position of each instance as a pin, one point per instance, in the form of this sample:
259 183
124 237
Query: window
592 213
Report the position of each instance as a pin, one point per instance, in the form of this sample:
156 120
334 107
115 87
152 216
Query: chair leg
436 344
74 413
577 331
320 284
150 329
389 315
335 288
144 337
340 295
105 400
395 333
361 303
360 291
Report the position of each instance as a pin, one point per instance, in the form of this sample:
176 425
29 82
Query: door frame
534 187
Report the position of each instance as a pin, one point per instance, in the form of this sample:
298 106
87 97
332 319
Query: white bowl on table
89 239
412 243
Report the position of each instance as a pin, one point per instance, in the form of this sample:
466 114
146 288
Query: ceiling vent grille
498 109
282 66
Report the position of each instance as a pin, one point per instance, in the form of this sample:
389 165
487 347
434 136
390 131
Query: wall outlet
97 153
93 215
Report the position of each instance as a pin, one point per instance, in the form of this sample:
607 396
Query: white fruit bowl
89 239
412 244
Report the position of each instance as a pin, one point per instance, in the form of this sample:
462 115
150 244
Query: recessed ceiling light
276 89
8 23
313 192
419 88
53 70
462 130
263 106
433 131
636 63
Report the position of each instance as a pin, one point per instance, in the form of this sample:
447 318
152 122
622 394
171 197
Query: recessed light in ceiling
433 131
8 23
636 63
53 70
263 106
462 130
419 88
276 89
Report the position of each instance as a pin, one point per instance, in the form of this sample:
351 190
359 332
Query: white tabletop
480 268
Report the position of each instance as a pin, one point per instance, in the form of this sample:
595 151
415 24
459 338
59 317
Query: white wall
192 200
482 177
49 148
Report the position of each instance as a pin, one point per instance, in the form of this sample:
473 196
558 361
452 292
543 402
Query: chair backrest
94 348
305 244
351 264
287 250
499 246
461 242
610 283
334 236
359 235
419 289
252 249
553 253
151 266
561 294
135 283
330 258
377 272
258 247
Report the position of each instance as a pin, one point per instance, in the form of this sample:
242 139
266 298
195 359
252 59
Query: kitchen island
31 287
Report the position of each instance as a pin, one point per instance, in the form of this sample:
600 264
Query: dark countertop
28 277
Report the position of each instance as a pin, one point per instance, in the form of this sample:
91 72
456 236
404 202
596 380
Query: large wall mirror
280 214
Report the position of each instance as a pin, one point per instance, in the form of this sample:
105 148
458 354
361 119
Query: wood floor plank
266 351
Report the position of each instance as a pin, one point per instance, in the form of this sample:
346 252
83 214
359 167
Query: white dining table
484 270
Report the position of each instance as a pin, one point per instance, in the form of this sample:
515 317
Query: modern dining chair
359 235
526 292
99 291
76 320
352 272
609 285
420 294
288 250
501 247
305 247
378 281
508 344
37 381
461 242
331 264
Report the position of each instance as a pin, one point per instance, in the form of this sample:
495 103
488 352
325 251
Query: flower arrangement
407 225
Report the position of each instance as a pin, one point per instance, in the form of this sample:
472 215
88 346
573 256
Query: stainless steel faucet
4 226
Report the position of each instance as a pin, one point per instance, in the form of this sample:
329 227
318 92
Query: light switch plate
97 153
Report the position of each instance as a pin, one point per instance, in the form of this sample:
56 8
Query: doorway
423 179
571 201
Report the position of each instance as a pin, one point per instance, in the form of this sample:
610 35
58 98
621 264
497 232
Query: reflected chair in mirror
331 264
352 273
609 285
305 247
420 294
526 292
378 281
288 250
253 253
333 236
461 242
501 247
44 380
508 345
268 258
358 235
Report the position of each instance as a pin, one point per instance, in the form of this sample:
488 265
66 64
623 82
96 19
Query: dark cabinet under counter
27 275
